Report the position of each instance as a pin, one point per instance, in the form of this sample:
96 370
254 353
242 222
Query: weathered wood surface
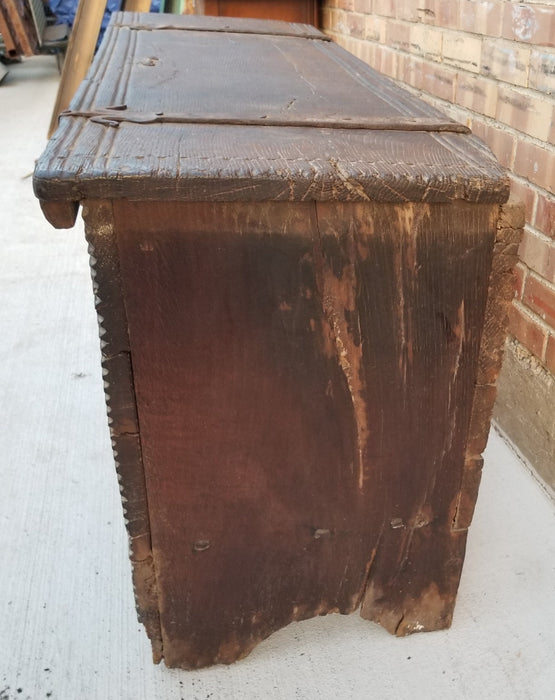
61 214
228 25
299 390
122 411
262 109
304 378
10 47
137 5
505 255
19 27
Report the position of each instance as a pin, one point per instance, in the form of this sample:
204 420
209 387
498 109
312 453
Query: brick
363 6
441 13
542 71
329 20
536 163
525 408
479 128
462 51
403 60
525 112
502 143
426 41
407 11
550 354
478 94
448 13
427 12
368 53
484 17
527 330
386 60
340 22
538 252
356 25
539 296
545 215
506 61
353 45
384 8
525 193
439 81
411 71
534 24
340 39
520 274
376 28
398 35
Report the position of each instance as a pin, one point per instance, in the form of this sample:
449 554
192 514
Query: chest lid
218 109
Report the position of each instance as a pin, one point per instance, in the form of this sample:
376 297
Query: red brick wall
489 64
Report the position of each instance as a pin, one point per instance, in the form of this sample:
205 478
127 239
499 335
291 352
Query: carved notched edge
122 411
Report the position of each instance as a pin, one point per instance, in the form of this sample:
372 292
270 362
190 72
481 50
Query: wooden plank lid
219 109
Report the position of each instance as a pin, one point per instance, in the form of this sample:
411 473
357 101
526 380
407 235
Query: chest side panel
304 377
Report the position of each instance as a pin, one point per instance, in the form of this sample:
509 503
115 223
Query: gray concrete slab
68 627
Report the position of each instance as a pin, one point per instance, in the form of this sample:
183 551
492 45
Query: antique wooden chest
301 275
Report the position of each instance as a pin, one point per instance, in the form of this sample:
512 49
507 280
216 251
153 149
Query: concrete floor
68 628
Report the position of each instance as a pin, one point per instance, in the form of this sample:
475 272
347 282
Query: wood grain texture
291 323
510 226
199 22
270 98
425 294
287 359
122 411
61 214
305 11
6 33
21 31
137 5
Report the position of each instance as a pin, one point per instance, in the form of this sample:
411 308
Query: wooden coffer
301 275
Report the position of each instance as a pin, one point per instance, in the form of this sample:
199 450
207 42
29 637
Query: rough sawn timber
311 353
122 411
302 274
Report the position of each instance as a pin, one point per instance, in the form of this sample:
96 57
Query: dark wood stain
257 103
122 410
282 385
301 327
